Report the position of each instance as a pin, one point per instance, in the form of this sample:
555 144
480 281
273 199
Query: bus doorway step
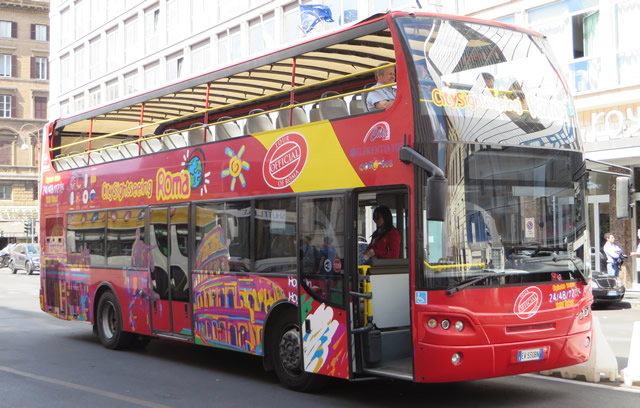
401 369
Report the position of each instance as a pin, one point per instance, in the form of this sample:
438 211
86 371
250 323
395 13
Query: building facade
24 96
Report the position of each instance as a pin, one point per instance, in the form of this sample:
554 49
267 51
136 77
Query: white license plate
529 355
612 293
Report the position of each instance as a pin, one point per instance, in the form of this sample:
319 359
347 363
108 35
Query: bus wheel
109 323
286 351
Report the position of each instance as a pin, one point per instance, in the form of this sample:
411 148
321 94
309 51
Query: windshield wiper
472 281
557 258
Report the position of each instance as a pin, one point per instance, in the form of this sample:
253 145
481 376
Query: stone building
24 94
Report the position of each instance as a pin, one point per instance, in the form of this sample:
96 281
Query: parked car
5 255
606 289
25 256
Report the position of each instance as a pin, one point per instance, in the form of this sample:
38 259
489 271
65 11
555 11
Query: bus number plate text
530 355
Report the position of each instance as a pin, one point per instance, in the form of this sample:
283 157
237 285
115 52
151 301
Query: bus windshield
516 213
488 84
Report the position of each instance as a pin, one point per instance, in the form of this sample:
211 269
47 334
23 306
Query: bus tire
286 353
109 323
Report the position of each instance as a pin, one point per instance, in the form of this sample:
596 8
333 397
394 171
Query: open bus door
381 290
170 311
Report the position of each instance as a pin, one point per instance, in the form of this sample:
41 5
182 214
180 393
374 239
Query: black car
606 289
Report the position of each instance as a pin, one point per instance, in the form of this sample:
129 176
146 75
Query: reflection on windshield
488 84
513 211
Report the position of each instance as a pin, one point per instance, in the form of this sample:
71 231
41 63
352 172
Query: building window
39 68
6 61
200 55
152 29
628 57
5 154
151 75
80 66
8 29
40 107
113 56
82 18
223 48
174 67
6 102
111 90
236 43
176 25
291 24
131 83
39 32
131 40
94 96
78 102
96 64
5 189
65 73
66 27
262 33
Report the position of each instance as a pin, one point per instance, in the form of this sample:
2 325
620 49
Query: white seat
198 133
314 113
128 148
151 145
112 153
95 158
291 117
228 129
173 139
257 124
77 159
61 163
334 108
357 105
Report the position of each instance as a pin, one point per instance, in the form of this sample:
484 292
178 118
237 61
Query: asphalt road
49 362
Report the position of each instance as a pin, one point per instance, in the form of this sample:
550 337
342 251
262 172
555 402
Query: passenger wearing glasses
385 241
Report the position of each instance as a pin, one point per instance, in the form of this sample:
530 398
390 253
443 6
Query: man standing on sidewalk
614 255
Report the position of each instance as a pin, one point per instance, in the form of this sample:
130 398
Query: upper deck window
488 84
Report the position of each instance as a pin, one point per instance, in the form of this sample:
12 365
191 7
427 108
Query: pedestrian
614 255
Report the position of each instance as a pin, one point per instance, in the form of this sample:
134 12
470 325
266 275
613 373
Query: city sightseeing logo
380 130
285 160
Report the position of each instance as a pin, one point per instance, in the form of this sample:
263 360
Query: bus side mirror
437 193
624 191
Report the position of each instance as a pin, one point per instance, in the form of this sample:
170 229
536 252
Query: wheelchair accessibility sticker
421 298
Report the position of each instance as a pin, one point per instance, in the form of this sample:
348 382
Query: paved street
48 362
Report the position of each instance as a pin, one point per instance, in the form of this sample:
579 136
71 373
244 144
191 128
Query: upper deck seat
227 129
151 145
77 159
257 124
297 115
314 113
333 108
128 148
357 104
198 133
112 153
173 139
62 163
95 157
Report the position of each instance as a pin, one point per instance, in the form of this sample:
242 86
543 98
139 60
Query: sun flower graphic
236 164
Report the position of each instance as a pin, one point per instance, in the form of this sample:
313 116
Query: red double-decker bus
236 209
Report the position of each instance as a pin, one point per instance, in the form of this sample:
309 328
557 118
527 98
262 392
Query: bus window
121 235
234 219
85 231
321 247
275 235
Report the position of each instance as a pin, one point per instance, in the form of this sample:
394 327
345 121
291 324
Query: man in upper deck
382 98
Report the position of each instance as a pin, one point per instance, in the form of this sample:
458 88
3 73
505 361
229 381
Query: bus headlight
445 324
456 358
432 323
459 325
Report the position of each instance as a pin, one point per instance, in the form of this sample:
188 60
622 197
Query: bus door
322 234
381 298
168 228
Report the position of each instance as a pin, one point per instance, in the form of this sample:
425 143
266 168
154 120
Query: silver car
25 256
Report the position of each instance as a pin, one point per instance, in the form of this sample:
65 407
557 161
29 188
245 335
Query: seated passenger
385 241
382 98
